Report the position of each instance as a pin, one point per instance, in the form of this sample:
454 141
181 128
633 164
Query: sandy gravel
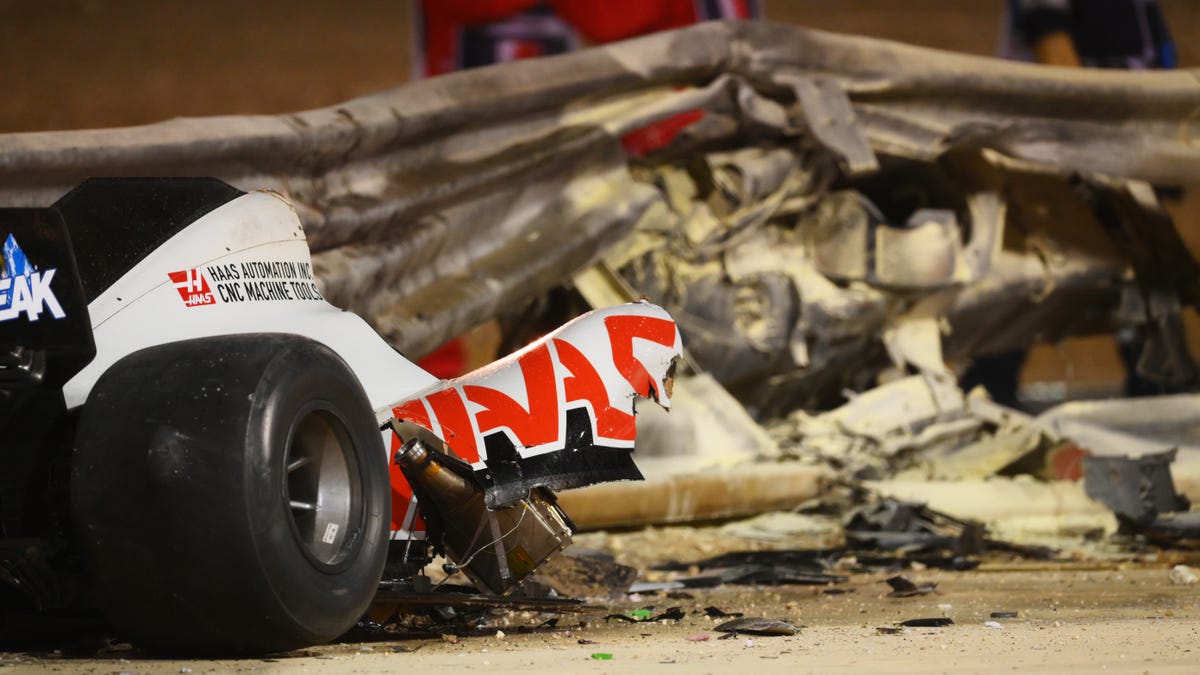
1117 617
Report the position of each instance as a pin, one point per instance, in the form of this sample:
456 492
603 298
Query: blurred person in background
461 34
1122 34
1128 34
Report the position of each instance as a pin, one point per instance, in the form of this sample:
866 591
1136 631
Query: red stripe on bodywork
621 332
585 384
536 426
452 417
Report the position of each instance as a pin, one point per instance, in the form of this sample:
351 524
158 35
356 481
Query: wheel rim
323 492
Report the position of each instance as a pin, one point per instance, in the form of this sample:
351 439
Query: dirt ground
1120 615
1145 645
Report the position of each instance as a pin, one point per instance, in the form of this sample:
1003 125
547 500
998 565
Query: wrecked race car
820 213
197 441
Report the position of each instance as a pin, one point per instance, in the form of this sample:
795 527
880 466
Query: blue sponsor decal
23 288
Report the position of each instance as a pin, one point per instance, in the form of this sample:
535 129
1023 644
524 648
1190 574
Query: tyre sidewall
311 593
178 495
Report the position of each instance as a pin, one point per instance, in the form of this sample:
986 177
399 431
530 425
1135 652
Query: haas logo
527 397
527 407
193 287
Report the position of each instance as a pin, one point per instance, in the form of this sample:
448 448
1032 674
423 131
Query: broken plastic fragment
1137 490
933 622
758 626
1182 575
903 588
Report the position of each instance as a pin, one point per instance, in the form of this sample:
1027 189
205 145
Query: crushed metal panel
391 167
1136 427
987 211
1137 490
838 234
916 341
1014 509
830 119
925 254
877 432
1162 422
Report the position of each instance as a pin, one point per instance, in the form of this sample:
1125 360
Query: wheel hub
323 492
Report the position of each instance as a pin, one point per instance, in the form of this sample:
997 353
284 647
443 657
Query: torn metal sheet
1135 427
924 254
885 524
392 598
917 427
838 238
830 278
433 206
1021 509
1137 490
762 568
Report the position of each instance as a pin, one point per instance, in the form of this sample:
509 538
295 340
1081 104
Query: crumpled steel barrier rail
436 205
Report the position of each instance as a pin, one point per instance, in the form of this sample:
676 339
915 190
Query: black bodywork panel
119 221
53 263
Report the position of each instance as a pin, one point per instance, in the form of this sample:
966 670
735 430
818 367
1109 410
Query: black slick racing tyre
231 495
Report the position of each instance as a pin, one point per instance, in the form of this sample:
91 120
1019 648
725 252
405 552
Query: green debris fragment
602 656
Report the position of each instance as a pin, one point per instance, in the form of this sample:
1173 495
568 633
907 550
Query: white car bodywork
146 308
245 267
